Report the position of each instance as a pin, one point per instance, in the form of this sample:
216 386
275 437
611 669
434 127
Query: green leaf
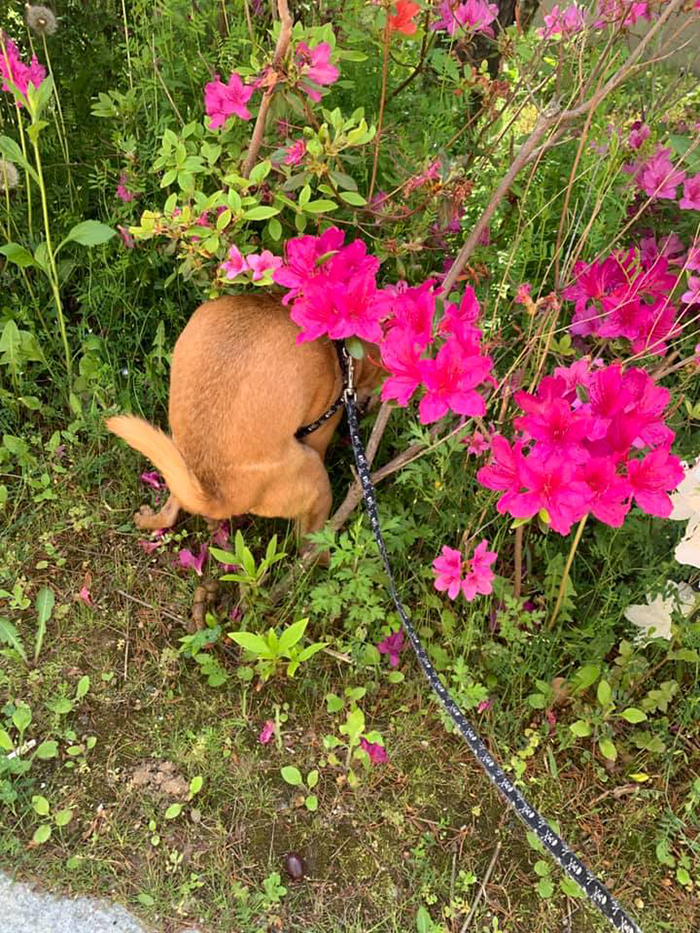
320 206
310 651
311 803
334 703
17 254
196 784
63 817
354 726
580 728
290 636
352 197
224 557
424 924
146 899
175 809
585 677
262 212
536 701
48 749
89 233
545 888
292 776
312 779
632 714
40 805
45 601
542 868
83 687
570 888
5 741
10 636
607 749
253 643
42 834
604 693
10 150
260 172
21 718
274 228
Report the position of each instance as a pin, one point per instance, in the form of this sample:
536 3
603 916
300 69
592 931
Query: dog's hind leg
146 518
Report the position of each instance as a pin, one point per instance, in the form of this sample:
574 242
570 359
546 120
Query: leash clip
348 374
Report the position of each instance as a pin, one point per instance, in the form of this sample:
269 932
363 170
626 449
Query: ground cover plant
506 201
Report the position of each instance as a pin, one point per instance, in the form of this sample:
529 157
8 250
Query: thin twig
421 58
283 41
380 118
165 612
482 889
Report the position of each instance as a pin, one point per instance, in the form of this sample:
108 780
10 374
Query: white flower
654 619
686 507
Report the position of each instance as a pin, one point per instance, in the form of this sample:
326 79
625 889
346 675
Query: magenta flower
550 484
565 23
224 100
13 69
474 16
692 296
430 174
339 309
522 294
123 193
220 537
449 572
263 263
657 177
85 597
409 311
639 133
479 579
315 68
621 13
267 731
401 357
153 479
477 444
503 472
187 559
295 153
392 646
652 478
377 753
691 194
484 706
303 257
235 264
609 492
450 380
553 423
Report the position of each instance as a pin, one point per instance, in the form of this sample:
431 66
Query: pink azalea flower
409 312
522 295
450 380
153 479
479 579
430 174
550 484
339 309
474 15
85 597
235 264
392 646
691 194
220 538
377 753
692 296
692 258
553 423
565 23
295 153
657 177
302 260
639 133
609 492
267 731
477 444
123 193
13 69
401 358
127 238
503 472
224 100
259 265
316 68
621 13
652 478
484 706
186 558
449 572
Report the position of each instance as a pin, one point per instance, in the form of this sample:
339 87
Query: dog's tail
161 451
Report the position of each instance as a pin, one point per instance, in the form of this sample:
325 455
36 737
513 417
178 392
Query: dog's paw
142 518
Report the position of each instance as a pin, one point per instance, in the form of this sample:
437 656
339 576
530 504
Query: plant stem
126 41
60 123
518 569
53 272
382 101
565 575
23 143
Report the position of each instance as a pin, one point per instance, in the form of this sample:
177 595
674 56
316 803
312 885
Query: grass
419 831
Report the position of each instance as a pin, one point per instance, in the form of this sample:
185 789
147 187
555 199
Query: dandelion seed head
9 176
41 19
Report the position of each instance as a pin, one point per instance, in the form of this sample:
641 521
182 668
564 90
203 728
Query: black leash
595 891
337 404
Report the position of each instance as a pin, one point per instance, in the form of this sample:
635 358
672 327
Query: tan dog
240 387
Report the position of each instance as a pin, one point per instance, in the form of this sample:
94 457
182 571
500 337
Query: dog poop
295 866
